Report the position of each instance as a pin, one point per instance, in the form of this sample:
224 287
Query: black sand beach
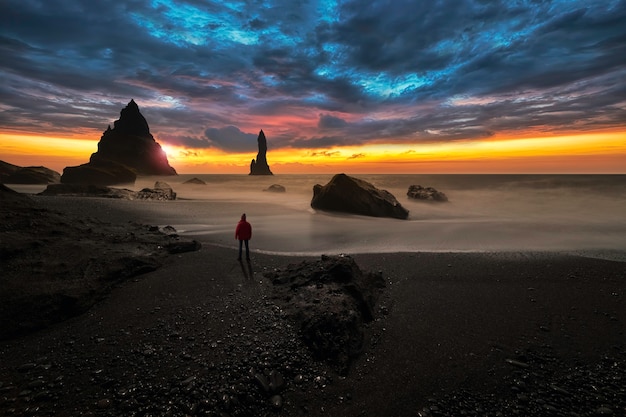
511 333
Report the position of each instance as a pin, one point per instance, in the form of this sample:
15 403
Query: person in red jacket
243 233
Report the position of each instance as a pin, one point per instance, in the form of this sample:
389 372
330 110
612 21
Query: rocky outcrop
330 300
13 174
127 150
13 199
57 264
275 188
418 192
88 190
352 195
100 173
194 181
260 166
7 169
161 191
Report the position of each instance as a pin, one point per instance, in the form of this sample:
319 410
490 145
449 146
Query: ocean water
572 213
484 213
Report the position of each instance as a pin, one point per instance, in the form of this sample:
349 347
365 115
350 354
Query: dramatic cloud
331 122
232 139
314 74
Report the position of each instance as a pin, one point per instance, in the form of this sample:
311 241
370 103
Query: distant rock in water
260 166
195 181
13 174
127 150
161 191
275 188
418 192
352 195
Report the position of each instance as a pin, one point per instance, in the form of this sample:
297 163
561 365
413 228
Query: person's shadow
247 269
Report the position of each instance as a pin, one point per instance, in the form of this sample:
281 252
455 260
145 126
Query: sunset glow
584 153
369 87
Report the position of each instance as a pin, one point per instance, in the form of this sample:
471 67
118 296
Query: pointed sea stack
260 167
127 150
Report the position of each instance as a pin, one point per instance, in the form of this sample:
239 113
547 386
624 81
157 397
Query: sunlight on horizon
601 152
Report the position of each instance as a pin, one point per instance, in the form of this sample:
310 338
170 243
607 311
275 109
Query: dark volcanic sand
528 334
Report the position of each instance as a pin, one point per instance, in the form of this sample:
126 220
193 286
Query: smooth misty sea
571 213
484 213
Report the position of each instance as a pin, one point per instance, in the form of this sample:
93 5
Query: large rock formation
352 195
13 174
260 166
127 150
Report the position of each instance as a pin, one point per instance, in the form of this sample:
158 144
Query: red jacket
243 230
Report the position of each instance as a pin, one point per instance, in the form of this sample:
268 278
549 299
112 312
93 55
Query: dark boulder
352 195
129 145
161 191
260 166
418 192
330 300
276 188
194 181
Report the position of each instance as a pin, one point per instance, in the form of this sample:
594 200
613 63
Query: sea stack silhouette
260 167
127 150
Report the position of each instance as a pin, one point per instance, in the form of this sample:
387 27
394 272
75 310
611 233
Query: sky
396 86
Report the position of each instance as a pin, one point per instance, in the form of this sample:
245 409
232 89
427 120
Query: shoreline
433 340
516 331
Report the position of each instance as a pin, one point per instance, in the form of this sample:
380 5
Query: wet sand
511 332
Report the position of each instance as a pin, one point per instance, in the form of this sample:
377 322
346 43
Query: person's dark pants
241 247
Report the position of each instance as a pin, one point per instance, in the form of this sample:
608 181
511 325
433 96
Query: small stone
188 380
276 381
104 403
262 382
26 367
604 411
560 390
519 364
36 383
277 402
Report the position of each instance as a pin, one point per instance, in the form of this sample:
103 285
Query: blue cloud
456 69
